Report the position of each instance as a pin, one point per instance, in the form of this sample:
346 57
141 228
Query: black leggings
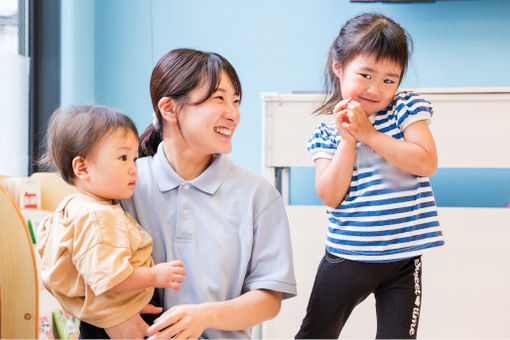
341 284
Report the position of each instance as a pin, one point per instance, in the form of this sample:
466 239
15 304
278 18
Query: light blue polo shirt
228 226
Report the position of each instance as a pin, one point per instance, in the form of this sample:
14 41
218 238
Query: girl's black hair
175 75
73 131
365 34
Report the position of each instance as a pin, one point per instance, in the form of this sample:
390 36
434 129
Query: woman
227 224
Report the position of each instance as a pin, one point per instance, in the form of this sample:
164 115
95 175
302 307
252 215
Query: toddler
96 259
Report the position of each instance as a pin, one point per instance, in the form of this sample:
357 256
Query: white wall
465 282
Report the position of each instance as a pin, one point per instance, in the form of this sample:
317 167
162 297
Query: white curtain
14 92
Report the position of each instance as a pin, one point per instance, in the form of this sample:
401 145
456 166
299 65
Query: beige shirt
88 250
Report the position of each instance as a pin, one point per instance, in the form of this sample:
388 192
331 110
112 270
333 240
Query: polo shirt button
185 212
186 186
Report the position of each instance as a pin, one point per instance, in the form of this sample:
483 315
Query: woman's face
368 81
207 128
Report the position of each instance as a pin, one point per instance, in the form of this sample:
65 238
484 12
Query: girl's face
369 82
111 167
207 128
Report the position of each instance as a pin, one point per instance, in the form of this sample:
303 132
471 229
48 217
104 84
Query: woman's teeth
223 131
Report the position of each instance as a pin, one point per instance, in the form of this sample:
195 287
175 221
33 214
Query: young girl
96 260
372 167
226 223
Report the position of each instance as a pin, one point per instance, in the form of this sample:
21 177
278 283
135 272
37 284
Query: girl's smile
367 100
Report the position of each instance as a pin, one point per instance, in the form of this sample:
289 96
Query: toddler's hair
366 34
175 75
75 130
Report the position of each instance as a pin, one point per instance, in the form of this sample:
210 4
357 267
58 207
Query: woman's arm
245 311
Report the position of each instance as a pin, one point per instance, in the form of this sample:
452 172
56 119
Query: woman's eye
123 158
135 159
220 98
389 81
237 101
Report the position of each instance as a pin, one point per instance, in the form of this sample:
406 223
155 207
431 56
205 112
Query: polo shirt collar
209 181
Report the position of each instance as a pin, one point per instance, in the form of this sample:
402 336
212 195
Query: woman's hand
181 322
242 312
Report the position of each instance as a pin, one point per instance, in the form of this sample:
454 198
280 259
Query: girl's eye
123 158
220 98
389 81
237 101
366 76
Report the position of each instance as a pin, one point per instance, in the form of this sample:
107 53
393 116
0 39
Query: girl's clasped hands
352 122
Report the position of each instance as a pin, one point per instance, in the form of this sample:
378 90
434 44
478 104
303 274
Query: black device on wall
393 0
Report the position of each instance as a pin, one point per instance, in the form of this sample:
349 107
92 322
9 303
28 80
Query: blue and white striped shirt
387 214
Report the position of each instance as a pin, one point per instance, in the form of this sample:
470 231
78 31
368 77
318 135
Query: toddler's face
111 166
369 82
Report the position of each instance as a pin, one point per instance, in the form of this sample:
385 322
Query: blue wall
274 45
77 53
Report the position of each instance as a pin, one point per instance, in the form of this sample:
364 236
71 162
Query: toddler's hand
168 274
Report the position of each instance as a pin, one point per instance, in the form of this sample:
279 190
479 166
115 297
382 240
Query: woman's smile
224 131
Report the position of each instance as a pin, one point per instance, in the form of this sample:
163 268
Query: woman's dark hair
175 75
73 131
365 34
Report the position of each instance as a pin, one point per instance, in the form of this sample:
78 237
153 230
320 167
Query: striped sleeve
412 107
323 142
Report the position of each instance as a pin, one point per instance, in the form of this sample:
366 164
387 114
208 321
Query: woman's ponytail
149 141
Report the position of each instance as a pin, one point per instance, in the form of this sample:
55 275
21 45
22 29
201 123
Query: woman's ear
337 68
168 108
80 167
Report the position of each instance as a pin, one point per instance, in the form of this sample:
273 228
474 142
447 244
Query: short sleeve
102 251
271 265
410 108
323 142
